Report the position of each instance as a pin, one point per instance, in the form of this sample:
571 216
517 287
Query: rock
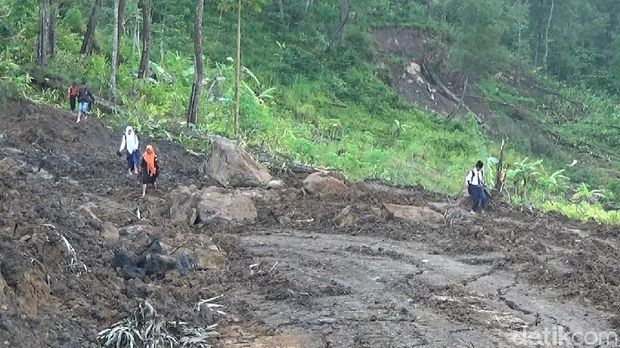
284 220
154 206
215 202
11 151
326 321
3 290
347 217
386 213
230 165
8 165
269 196
32 291
203 255
209 259
133 230
412 213
276 184
228 243
324 185
71 181
183 207
109 232
40 173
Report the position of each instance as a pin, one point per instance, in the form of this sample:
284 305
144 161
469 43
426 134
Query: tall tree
42 36
46 36
51 32
87 44
226 5
120 13
147 12
194 98
115 45
477 50
238 72
430 5
345 12
547 34
281 9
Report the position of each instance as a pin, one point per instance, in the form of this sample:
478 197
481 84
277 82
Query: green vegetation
321 96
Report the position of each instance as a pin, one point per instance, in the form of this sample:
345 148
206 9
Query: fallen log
448 94
458 106
559 95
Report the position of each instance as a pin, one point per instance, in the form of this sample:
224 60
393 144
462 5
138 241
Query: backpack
473 174
84 94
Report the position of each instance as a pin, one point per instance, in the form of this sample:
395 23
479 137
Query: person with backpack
150 168
85 98
475 186
72 94
131 144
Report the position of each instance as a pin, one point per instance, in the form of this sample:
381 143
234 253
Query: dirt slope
405 52
335 273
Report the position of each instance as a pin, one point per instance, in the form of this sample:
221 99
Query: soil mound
379 266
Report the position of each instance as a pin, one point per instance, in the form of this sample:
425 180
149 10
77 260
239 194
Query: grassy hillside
310 99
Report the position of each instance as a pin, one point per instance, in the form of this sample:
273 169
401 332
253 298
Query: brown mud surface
330 271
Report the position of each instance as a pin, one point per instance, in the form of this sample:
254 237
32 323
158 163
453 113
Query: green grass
582 212
329 106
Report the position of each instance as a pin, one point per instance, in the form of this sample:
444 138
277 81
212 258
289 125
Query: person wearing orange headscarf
150 168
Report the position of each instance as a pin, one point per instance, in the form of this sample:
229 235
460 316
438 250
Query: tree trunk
43 35
519 29
345 11
194 98
119 30
281 8
458 106
51 32
147 12
430 10
547 35
501 173
136 36
238 72
444 11
87 44
115 45
309 3
520 16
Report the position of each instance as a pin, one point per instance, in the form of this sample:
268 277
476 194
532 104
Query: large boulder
322 184
183 201
3 291
190 206
232 166
215 202
151 206
205 257
411 213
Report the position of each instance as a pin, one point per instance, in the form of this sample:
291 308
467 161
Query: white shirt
131 141
475 177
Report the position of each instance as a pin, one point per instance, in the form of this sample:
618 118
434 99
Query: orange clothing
149 159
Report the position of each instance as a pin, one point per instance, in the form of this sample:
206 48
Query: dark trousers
72 100
133 159
478 197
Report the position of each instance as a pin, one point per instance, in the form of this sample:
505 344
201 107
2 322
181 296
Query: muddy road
376 266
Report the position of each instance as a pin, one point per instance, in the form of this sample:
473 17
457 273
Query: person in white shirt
131 143
475 186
